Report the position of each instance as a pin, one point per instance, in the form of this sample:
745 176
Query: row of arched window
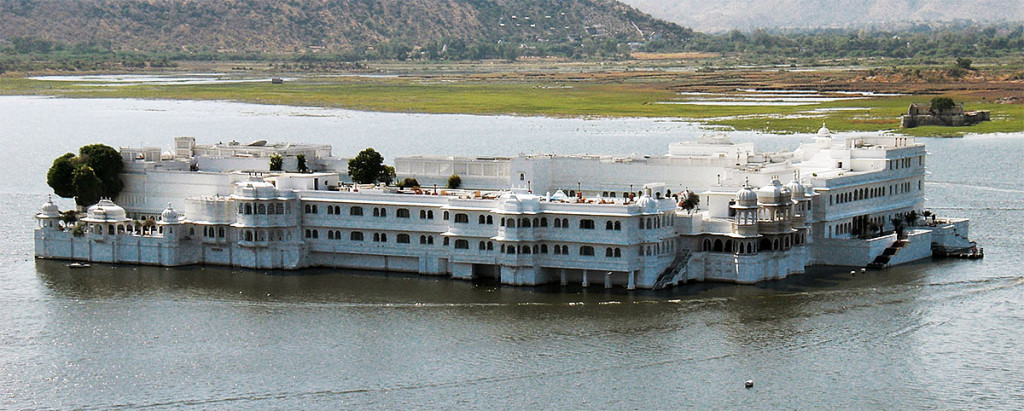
263 208
211 232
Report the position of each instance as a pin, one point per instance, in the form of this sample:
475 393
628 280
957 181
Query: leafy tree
964 63
387 175
409 183
454 181
300 163
60 175
367 167
942 103
690 201
106 164
94 173
88 187
276 162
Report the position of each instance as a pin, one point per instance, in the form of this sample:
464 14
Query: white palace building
525 220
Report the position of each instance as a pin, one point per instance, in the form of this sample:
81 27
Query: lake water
946 334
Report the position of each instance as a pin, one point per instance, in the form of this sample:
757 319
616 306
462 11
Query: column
561 276
585 283
608 280
632 280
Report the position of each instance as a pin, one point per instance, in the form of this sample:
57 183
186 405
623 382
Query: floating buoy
749 384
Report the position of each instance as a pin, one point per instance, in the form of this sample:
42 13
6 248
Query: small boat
79 265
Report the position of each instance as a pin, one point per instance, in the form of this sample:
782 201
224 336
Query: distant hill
745 15
287 26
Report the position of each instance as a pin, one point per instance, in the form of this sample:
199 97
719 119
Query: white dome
771 193
797 189
559 196
824 131
49 209
746 196
255 188
647 204
170 215
105 211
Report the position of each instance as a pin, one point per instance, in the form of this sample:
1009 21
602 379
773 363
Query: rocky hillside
745 15
287 26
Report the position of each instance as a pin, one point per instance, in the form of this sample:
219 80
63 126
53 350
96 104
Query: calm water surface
935 335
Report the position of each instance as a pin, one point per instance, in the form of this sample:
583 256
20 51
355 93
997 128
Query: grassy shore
615 93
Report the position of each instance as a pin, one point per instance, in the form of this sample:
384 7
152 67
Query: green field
516 94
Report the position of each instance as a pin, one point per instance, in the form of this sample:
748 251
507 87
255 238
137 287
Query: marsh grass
540 97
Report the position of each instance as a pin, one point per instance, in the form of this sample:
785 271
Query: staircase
671 274
883 259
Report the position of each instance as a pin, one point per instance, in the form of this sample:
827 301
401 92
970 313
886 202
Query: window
430 215
356 236
446 241
483 246
565 249
355 210
248 236
618 226
587 250
524 222
609 226
402 213
558 250
524 249
462 244
423 214
618 253
544 222
445 216
402 239
330 210
587 224
511 223
490 220
423 239
316 233
248 208
608 252
330 234
543 248
481 219
280 208
565 223
490 246
558 223
462 218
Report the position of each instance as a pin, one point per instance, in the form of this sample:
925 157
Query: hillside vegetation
364 27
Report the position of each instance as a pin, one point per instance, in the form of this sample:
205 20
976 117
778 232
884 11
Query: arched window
650 224
490 246
461 244
330 210
565 223
535 249
248 208
402 213
423 239
316 233
330 234
503 248
618 253
462 218
430 214
423 214
248 236
524 249
309 234
511 249
565 249
490 220
707 245
544 222
536 222
446 241
356 236
728 246
543 248
608 225
641 223
430 239
383 237
608 252
558 223
445 216
511 222
220 232
241 208
355 210
586 224
558 250
481 219
587 251
279 208
315 211
718 246
524 223
482 246
618 225
376 212
261 208
402 239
